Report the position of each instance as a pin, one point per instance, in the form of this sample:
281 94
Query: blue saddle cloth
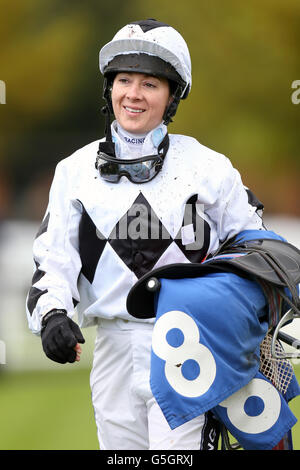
206 356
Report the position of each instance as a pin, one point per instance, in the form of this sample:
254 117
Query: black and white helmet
153 48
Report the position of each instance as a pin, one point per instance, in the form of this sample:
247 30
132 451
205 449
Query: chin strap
172 108
107 146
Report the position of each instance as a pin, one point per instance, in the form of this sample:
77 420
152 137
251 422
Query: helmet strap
107 110
108 146
172 107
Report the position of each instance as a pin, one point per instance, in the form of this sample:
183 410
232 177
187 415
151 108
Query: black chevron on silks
139 239
33 297
254 201
34 292
38 274
91 246
140 254
197 250
44 226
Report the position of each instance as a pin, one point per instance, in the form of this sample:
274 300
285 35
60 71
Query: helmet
153 48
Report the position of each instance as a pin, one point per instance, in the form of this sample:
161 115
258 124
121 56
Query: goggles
137 170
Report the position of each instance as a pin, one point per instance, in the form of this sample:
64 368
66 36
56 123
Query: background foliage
245 57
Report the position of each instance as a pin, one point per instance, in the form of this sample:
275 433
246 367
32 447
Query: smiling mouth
133 110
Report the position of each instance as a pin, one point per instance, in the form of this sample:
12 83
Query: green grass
52 410
47 410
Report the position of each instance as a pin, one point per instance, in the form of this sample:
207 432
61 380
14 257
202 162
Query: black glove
59 336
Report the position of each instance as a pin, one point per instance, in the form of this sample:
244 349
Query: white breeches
127 415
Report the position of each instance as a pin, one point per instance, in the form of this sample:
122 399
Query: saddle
272 261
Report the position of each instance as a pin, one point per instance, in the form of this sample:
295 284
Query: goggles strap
109 157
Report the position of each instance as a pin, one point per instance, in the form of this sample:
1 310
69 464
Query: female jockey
138 199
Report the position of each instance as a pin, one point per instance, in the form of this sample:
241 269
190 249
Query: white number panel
235 405
176 357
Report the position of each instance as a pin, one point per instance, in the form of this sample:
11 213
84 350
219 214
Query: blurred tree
244 55
49 62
